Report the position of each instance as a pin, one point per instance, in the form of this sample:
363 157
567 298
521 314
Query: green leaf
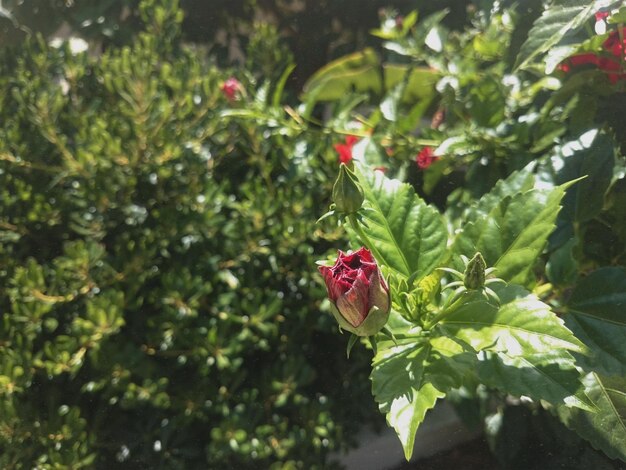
389 105
405 234
407 380
420 84
521 326
355 72
605 427
562 268
523 346
517 182
513 234
550 376
558 20
596 314
280 85
591 155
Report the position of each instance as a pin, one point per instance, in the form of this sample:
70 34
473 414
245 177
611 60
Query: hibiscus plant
516 280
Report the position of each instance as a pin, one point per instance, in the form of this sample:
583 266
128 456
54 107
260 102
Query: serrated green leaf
513 234
408 236
605 427
407 380
550 376
517 182
596 314
399 388
521 326
559 19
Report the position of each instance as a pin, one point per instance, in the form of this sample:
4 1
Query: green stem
354 223
437 318
403 336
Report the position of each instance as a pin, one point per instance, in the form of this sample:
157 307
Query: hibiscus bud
347 193
475 272
358 292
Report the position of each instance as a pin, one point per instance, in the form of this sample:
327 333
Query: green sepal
353 339
372 341
372 324
327 214
388 333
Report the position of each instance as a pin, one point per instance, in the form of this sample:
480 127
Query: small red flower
345 150
425 158
231 88
351 140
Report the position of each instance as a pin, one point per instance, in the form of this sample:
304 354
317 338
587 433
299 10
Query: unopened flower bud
347 193
358 293
475 272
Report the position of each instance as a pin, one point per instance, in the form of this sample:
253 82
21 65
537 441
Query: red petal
351 140
345 153
583 59
354 304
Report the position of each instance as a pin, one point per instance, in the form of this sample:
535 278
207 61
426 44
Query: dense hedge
156 261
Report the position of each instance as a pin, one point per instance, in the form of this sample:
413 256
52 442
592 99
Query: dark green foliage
159 303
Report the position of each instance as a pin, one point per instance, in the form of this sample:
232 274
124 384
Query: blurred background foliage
159 300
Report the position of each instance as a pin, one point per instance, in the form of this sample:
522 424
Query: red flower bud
358 292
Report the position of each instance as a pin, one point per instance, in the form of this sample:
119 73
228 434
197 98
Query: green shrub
156 264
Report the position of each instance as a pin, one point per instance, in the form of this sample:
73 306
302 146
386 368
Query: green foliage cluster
156 255
530 172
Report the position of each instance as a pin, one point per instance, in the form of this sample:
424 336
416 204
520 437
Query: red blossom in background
614 45
231 88
345 150
425 158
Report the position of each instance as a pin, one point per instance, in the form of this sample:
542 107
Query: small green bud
475 272
347 193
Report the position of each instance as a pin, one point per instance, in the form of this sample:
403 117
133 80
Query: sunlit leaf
407 380
513 233
521 326
559 20
405 233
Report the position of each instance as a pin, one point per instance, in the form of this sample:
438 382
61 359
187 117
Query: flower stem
438 317
354 223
